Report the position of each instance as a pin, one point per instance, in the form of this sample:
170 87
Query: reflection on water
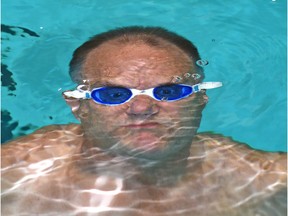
47 173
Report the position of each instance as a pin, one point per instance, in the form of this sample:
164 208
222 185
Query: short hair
149 35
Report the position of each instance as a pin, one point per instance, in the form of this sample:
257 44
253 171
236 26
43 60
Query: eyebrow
108 83
111 84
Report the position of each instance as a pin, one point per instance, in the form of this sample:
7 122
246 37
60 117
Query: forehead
135 65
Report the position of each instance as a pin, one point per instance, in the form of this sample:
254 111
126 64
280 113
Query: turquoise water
244 41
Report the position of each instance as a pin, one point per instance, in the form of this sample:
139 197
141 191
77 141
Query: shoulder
46 142
239 154
247 176
218 142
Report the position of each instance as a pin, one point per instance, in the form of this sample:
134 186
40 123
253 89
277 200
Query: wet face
142 127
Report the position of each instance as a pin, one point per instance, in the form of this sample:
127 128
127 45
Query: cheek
185 111
101 117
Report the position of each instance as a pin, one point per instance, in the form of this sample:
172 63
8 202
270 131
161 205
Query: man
136 151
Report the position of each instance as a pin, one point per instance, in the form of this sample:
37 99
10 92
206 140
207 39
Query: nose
142 105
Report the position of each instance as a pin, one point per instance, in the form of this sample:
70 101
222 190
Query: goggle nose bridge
148 92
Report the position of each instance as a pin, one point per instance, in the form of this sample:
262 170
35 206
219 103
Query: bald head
154 37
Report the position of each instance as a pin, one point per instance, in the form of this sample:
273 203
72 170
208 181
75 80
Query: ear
74 104
205 97
202 98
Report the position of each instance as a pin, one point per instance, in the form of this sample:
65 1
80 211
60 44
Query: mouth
143 125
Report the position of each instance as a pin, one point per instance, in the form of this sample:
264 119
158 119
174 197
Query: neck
137 171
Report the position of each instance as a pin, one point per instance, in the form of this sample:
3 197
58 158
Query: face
142 127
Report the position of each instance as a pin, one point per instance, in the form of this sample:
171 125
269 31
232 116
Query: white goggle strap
78 93
206 85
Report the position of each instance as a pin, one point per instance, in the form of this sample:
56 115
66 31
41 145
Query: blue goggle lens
111 95
172 92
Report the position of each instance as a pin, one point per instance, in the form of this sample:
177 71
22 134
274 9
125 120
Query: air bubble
196 76
164 99
187 75
202 63
176 79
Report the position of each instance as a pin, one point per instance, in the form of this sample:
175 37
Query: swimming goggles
112 96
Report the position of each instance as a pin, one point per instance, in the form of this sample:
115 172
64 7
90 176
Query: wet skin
139 158
142 126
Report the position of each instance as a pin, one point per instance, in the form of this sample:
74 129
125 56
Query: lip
143 125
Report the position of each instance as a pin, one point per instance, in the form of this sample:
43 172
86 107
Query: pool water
244 42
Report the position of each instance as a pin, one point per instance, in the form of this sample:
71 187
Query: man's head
139 58
151 36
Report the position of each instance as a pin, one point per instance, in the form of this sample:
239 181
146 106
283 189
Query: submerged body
49 173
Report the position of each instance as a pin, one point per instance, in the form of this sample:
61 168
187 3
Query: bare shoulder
228 146
250 179
46 142
241 155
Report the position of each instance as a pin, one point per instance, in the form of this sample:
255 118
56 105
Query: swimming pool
244 42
